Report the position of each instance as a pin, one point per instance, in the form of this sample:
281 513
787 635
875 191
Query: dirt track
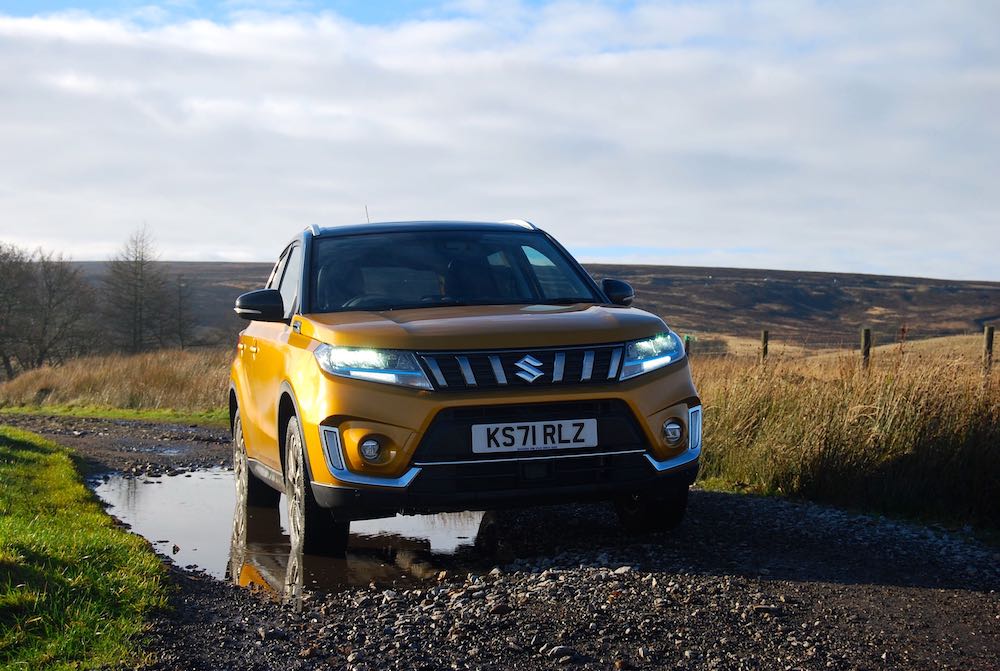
131 446
745 583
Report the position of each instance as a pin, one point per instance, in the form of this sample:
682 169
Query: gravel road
745 583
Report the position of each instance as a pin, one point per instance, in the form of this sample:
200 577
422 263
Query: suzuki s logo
530 368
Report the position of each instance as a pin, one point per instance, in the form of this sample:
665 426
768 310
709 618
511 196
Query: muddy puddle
194 519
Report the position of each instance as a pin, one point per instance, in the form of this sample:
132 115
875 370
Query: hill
808 308
815 310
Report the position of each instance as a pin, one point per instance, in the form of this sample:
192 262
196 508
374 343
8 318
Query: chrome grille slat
588 366
558 366
463 364
436 371
616 358
498 371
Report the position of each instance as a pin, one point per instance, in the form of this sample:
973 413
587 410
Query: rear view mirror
262 305
618 292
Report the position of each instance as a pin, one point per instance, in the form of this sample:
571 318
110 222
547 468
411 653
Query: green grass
216 418
75 589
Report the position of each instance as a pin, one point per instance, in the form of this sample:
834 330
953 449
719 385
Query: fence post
866 347
987 353
763 345
687 345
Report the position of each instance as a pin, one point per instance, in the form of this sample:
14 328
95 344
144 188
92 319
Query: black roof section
397 226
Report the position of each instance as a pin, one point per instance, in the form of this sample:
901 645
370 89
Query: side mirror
262 305
618 292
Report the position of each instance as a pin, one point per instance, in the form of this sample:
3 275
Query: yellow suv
432 366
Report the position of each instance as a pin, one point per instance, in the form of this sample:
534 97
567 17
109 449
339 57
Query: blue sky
793 134
368 12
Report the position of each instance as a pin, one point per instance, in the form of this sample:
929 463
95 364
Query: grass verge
74 589
215 417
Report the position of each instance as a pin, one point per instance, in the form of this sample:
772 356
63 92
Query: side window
554 283
275 277
289 286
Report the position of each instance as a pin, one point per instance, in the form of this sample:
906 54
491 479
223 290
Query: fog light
672 432
370 449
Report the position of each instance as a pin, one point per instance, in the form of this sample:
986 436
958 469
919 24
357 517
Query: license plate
528 436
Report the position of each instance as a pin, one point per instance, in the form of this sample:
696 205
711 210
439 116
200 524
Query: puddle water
159 450
194 518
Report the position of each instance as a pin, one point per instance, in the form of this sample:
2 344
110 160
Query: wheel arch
288 407
234 406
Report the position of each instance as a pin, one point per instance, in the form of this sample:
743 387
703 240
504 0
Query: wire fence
768 342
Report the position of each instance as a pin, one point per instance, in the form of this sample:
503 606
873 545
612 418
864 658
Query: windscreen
397 270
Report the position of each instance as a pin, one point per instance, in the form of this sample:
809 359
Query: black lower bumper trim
443 489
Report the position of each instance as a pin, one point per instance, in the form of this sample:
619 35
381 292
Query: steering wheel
439 299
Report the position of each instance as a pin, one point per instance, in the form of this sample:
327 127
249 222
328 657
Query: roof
395 226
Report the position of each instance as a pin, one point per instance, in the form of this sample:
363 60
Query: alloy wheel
295 491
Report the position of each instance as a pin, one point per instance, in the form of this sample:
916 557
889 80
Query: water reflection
262 558
387 551
197 521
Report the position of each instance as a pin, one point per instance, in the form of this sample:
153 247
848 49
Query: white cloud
827 136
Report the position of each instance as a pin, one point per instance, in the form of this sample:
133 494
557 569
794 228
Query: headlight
642 356
376 365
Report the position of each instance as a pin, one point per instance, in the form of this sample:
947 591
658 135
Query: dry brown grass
186 380
915 434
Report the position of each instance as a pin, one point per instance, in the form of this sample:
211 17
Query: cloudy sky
843 136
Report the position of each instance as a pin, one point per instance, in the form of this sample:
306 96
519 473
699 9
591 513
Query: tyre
648 512
248 485
311 528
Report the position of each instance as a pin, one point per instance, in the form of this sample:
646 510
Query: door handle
253 349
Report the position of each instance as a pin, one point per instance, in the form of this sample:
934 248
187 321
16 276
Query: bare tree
15 279
183 318
61 311
135 292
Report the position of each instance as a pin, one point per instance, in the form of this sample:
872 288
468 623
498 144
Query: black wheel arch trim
233 392
286 389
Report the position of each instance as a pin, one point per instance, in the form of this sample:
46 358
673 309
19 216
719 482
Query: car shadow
753 536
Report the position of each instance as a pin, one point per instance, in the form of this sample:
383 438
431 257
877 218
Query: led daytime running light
375 365
648 354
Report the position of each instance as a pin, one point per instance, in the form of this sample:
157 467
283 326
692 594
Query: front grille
449 437
526 368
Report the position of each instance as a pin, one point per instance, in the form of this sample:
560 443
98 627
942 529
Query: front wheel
648 512
311 528
249 487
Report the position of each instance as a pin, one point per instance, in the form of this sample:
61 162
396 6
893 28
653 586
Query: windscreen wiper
568 300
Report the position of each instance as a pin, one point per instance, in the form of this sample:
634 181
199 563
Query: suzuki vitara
435 366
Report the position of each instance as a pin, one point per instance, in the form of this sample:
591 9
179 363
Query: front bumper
506 481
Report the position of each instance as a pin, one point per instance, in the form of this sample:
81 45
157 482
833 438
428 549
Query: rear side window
289 286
